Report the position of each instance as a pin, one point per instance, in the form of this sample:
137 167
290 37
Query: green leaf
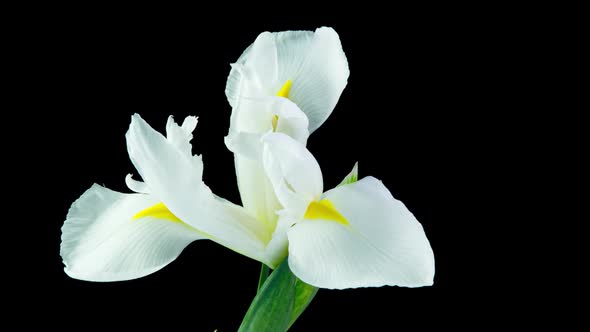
278 304
352 177
304 293
263 275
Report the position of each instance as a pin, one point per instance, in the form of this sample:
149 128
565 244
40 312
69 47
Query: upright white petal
250 120
174 176
321 79
263 60
101 241
253 118
313 61
256 191
382 243
254 79
293 172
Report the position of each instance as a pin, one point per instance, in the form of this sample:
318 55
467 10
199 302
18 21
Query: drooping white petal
313 61
381 244
174 176
102 242
293 172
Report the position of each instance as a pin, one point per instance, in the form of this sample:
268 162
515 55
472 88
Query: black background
419 112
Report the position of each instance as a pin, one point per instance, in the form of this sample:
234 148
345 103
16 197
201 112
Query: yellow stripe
275 121
159 211
284 91
324 209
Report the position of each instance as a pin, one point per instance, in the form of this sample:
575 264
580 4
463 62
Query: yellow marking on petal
284 91
326 210
275 120
159 211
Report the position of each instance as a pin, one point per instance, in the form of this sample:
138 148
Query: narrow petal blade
174 176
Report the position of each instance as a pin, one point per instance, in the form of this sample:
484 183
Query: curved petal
382 243
318 84
313 61
252 80
291 121
262 58
250 121
293 172
174 177
136 186
256 117
101 241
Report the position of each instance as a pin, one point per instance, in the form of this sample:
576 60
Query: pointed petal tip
136 121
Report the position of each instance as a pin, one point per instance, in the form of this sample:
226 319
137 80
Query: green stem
279 303
263 275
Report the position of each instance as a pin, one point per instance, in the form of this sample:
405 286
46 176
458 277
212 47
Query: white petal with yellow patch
312 65
174 175
355 235
110 236
103 241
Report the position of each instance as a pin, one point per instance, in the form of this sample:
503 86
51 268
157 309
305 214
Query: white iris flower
356 235
282 88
